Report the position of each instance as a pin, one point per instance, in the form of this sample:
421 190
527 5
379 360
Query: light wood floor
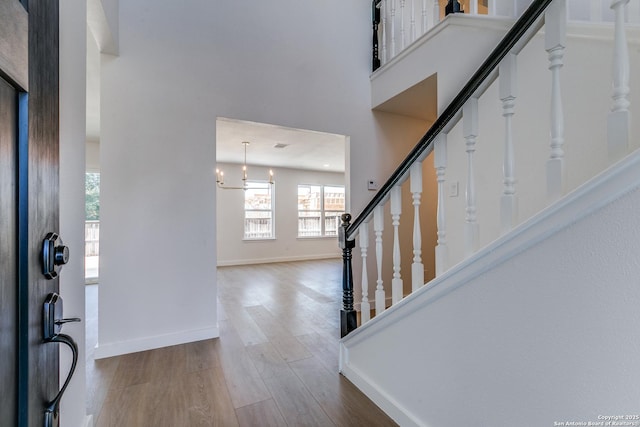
275 363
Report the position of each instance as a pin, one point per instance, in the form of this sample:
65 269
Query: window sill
259 239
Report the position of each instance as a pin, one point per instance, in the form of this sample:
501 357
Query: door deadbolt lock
53 255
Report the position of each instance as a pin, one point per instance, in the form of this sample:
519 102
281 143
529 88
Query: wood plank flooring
275 363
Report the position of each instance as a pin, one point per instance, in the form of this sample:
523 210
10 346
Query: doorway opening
286 160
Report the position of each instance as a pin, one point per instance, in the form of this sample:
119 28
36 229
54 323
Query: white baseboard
148 343
390 406
230 263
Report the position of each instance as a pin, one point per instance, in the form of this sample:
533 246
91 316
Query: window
92 227
333 198
258 211
319 210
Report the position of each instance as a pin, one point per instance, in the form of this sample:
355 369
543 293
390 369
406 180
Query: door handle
53 255
52 325
52 317
51 412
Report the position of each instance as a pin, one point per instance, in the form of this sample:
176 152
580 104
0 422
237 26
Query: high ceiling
302 149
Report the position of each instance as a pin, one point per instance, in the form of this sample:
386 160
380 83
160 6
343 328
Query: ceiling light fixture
220 174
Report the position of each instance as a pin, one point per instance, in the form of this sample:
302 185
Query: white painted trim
276 259
88 421
148 343
619 179
343 357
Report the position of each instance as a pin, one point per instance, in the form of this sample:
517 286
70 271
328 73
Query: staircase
532 318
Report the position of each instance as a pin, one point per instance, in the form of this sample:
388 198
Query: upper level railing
399 23
500 67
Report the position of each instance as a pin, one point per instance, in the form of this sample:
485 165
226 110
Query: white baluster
425 17
436 12
473 7
413 21
619 118
383 11
493 7
417 268
378 228
396 210
393 28
440 164
363 241
595 11
470 133
508 91
403 36
555 36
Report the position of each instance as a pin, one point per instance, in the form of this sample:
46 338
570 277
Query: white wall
534 329
180 66
72 161
234 250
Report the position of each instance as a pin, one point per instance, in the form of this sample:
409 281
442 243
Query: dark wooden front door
28 204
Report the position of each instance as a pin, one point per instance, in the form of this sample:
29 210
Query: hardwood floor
275 363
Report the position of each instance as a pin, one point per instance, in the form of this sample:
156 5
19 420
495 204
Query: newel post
348 319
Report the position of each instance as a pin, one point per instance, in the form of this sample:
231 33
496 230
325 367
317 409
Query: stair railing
502 64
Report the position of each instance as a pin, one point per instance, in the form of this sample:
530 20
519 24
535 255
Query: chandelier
245 186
